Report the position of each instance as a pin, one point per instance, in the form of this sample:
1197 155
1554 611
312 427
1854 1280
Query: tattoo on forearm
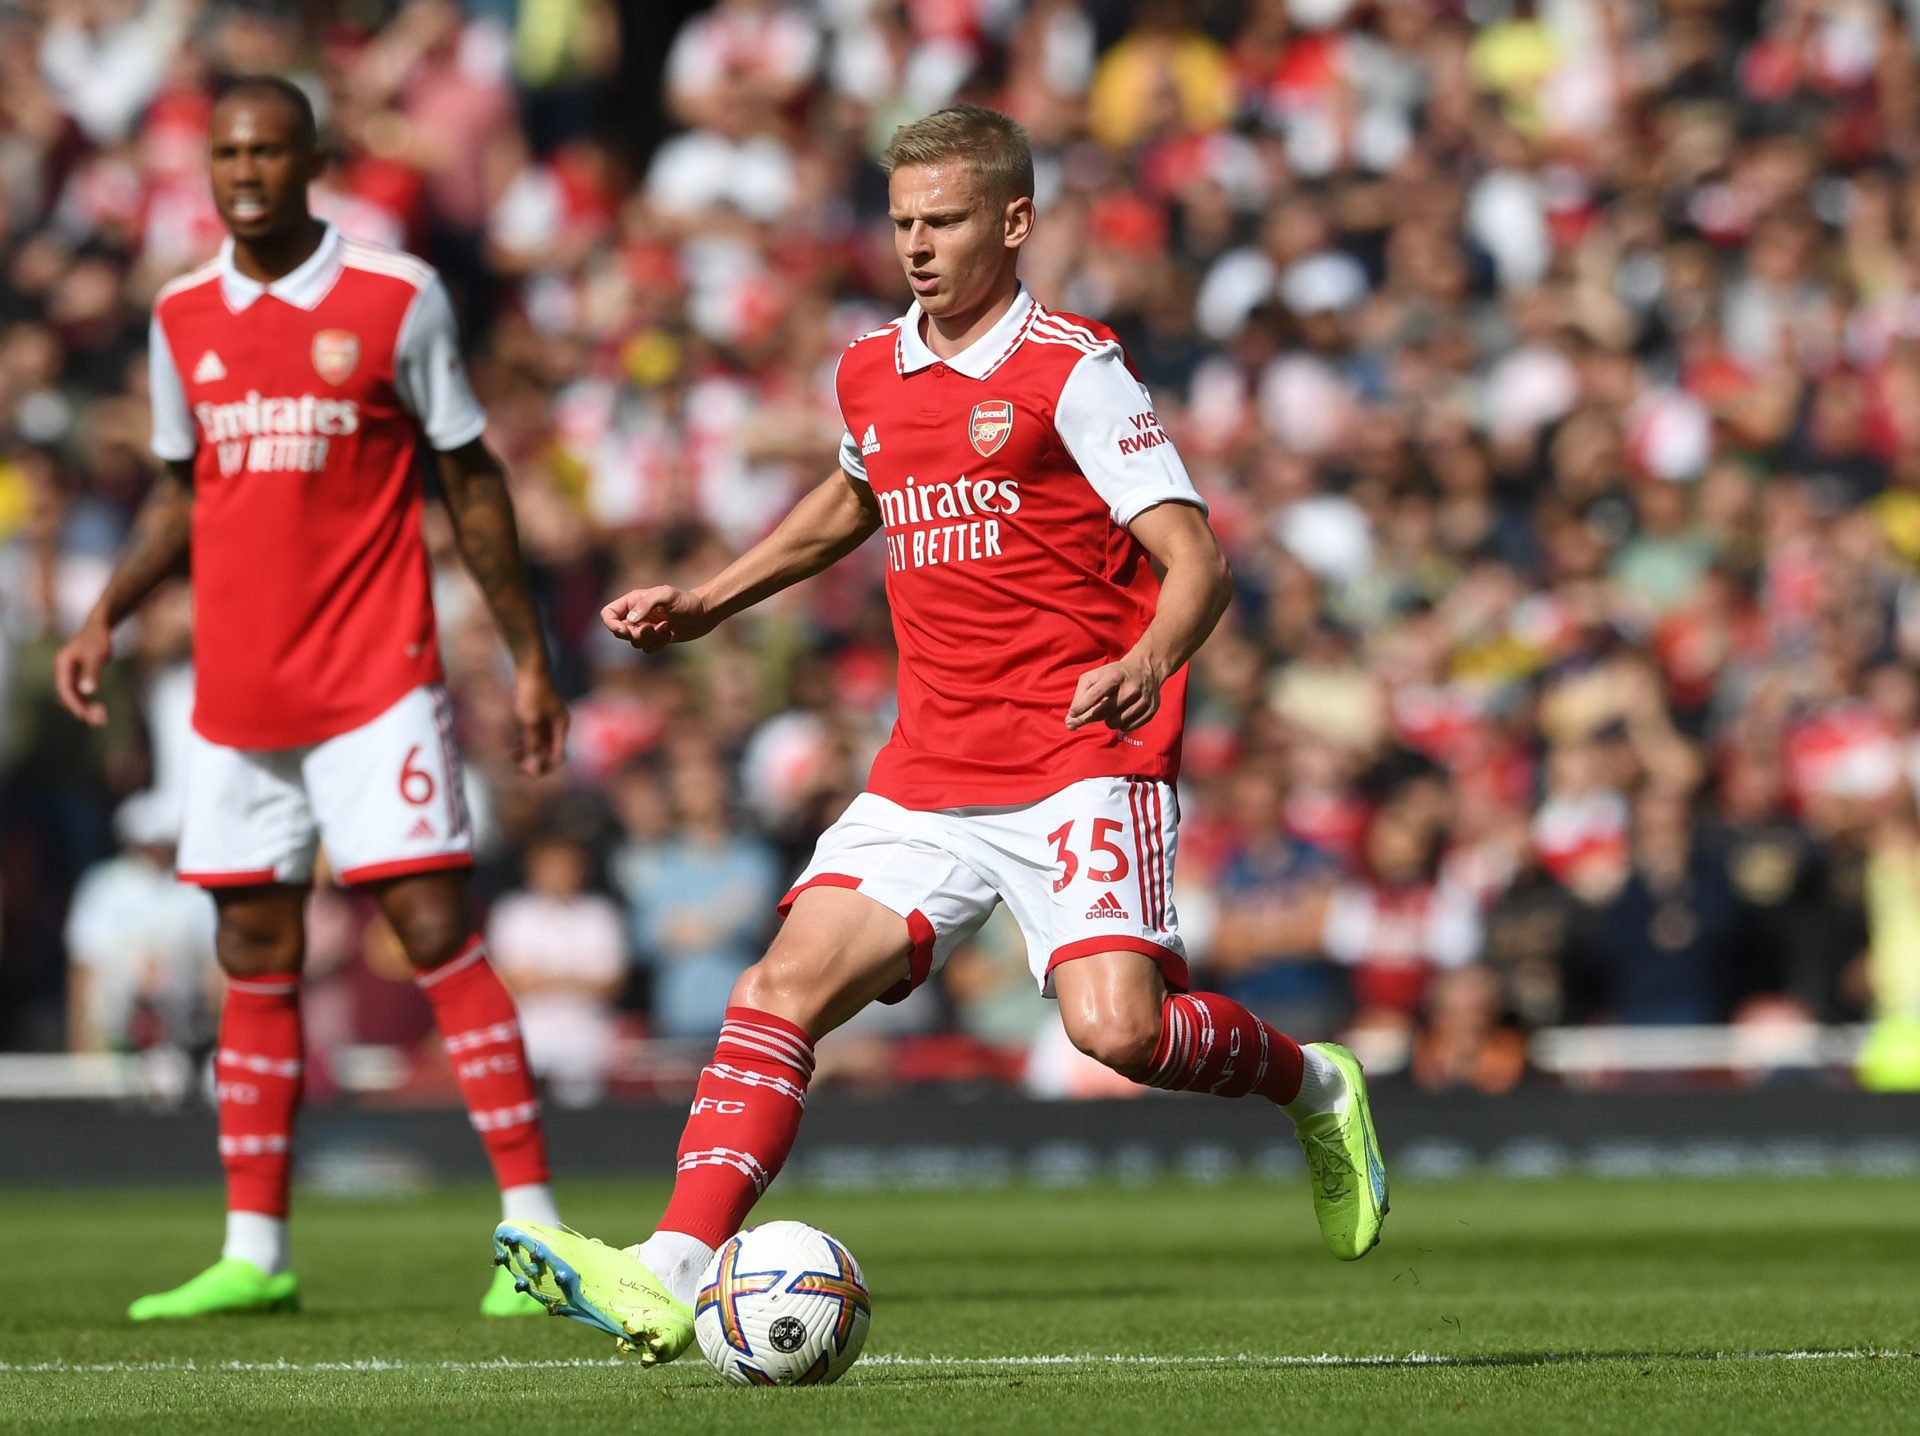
162 533
482 514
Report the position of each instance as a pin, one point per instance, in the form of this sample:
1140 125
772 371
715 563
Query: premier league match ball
782 1304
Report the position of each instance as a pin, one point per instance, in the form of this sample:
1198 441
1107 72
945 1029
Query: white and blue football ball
782 1304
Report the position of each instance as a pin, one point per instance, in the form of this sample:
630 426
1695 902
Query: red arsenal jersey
302 404
1006 477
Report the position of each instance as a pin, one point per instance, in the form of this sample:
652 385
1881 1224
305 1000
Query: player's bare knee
429 916
431 939
751 988
785 982
247 949
817 975
1126 1044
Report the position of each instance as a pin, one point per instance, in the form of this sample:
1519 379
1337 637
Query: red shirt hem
271 737
925 792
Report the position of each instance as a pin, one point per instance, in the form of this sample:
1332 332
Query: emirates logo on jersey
989 425
916 537
276 434
336 353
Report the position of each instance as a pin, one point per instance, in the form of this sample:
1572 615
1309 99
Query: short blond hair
996 147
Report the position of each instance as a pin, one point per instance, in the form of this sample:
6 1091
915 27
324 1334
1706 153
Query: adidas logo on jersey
209 369
870 444
421 829
1107 909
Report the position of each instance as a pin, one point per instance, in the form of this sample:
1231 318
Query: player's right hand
651 618
76 671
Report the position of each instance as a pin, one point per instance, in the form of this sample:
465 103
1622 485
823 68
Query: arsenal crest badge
335 353
989 425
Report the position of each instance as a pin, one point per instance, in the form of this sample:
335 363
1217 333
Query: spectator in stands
139 944
562 951
753 57
1271 895
1399 919
699 893
1164 79
1467 1042
1534 926
1663 949
442 83
1798 927
104 61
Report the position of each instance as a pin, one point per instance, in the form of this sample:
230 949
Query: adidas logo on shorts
421 829
1108 908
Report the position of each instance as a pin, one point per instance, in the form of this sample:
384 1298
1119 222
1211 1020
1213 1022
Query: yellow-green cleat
503 1298
1343 1162
231 1286
612 1290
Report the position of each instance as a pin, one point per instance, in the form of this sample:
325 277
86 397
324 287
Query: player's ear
1017 221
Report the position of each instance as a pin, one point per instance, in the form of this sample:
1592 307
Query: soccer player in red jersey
293 379
1051 570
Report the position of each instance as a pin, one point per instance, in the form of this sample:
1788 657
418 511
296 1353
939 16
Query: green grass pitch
1569 1305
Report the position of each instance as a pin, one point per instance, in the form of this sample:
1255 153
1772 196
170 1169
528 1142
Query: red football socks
746 1111
1210 1043
257 1074
481 1031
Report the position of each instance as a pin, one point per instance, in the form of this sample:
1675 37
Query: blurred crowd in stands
1552 370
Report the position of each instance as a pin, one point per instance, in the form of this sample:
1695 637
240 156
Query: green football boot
591 1282
230 1285
503 1298
1343 1161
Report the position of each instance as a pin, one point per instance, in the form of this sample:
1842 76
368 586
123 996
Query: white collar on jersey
978 359
304 288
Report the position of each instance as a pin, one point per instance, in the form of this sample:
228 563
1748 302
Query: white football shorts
1086 870
384 797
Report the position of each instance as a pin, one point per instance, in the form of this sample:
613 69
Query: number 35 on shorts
1132 855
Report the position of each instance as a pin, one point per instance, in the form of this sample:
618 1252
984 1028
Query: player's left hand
1122 695
542 719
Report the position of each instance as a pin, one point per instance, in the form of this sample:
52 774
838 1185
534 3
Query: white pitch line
954 1363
